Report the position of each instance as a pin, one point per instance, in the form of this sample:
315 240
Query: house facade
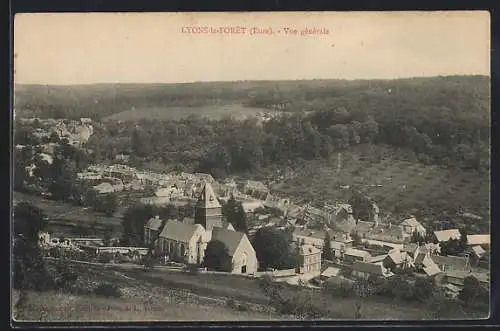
339 242
364 270
152 229
309 259
410 226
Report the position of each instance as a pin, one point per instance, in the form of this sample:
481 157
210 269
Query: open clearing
397 184
64 218
238 111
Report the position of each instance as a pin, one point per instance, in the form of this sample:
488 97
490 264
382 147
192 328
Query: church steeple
208 210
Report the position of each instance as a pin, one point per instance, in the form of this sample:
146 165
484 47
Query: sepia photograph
250 166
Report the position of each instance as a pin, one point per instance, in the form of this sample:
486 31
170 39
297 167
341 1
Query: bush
340 288
108 290
105 257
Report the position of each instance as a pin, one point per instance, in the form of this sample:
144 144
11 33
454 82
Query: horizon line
254 80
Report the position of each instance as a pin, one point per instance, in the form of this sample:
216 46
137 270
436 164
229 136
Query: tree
29 266
272 249
235 214
362 206
369 129
340 135
401 289
471 290
417 238
462 242
356 238
62 178
327 247
107 204
424 288
134 219
217 256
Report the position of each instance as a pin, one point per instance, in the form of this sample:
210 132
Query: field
53 306
65 218
397 183
167 295
248 290
237 111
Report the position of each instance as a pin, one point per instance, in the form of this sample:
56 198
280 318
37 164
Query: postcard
251 166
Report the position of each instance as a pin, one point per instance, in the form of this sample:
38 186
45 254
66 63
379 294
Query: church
187 242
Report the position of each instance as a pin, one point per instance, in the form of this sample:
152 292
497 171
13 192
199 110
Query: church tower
208 210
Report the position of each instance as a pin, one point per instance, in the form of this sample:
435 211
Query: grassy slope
63 217
67 307
406 185
248 290
161 286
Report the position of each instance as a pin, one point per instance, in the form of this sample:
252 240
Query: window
183 249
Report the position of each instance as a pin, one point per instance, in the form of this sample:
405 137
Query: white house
446 235
411 225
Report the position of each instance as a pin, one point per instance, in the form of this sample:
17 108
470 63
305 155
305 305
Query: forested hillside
443 121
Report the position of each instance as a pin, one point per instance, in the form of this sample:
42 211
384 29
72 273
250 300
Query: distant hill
102 100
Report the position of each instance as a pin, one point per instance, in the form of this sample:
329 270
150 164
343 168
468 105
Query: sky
86 48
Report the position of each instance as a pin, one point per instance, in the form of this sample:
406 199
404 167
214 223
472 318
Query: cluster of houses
95 246
77 132
383 258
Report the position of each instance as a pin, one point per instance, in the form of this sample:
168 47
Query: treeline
435 135
100 100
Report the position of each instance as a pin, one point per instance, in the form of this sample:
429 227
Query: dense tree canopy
235 214
29 267
217 256
273 250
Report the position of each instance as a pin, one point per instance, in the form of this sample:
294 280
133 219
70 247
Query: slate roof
230 238
319 234
446 235
478 239
308 250
411 222
330 272
357 252
478 250
154 223
178 231
410 248
420 255
450 262
397 256
207 198
366 267
431 268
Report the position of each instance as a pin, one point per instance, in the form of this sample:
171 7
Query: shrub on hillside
105 257
108 290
